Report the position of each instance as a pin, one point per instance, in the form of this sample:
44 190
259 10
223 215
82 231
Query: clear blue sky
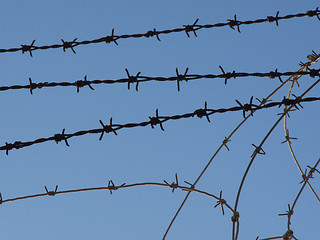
150 155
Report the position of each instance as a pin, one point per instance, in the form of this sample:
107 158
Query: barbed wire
288 138
232 23
112 187
289 233
313 58
178 78
258 150
159 120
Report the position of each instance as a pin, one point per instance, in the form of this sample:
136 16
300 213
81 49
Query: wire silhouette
312 59
247 110
112 187
235 225
153 121
178 78
232 23
289 233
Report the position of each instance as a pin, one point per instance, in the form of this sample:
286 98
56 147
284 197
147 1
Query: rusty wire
312 59
235 225
112 187
289 233
232 23
312 56
159 120
178 78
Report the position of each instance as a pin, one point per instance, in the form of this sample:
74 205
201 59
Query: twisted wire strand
257 151
306 180
289 233
232 23
157 120
287 137
313 58
111 187
178 78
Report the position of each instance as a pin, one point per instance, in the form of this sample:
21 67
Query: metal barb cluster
173 185
112 187
61 137
51 193
221 202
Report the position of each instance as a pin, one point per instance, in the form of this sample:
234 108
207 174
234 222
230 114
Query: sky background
144 154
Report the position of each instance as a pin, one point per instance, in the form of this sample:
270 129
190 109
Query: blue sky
150 155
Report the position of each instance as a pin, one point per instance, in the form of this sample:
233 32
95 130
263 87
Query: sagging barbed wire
232 23
178 78
159 120
112 187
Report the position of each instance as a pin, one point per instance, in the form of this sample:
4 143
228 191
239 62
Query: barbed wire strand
306 180
289 233
257 151
227 139
111 187
178 78
287 137
232 23
157 120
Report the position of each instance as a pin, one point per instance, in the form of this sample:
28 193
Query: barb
51 193
314 58
178 78
221 202
112 187
186 28
152 121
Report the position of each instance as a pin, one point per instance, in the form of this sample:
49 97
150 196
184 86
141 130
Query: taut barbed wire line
232 23
178 78
112 187
258 150
313 58
289 233
159 120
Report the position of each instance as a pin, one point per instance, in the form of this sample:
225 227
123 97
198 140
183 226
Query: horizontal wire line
186 28
114 188
158 120
178 78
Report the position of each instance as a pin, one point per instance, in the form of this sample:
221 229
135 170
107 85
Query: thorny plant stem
228 138
235 234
